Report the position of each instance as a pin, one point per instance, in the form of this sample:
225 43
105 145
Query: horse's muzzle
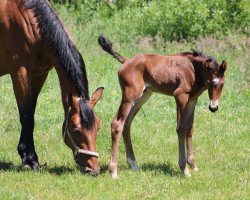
90 171
213 109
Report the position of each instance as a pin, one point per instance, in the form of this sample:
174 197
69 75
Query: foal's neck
200 71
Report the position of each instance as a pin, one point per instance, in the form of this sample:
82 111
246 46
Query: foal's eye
216 81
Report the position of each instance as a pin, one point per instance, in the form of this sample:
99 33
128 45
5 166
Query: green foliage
173 19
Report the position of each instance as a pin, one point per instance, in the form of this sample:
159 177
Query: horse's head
81 139
215 81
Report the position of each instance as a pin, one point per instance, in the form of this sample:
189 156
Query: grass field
221 140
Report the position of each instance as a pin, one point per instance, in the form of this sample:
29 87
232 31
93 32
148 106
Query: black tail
107 46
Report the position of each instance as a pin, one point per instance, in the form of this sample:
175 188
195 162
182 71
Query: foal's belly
166 88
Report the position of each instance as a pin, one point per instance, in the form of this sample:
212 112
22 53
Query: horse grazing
33 40
184 76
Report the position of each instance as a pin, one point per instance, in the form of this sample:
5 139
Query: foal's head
82 139
215 81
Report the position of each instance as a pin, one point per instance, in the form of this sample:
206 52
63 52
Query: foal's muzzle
213 106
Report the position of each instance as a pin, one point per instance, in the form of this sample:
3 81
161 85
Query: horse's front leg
190 121
26 96
182 104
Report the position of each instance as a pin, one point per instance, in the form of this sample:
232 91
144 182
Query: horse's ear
96 96
223 67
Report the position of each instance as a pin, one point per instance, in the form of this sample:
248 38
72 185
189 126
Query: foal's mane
68 56
200 54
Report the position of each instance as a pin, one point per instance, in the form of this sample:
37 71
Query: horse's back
20 40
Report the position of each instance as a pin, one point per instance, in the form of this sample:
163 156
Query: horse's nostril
91 171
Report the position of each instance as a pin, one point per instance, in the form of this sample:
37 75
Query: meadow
221 140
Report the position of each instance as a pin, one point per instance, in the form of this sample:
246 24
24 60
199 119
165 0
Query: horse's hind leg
26 93
127 126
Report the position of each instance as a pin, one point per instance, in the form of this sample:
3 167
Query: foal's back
158 73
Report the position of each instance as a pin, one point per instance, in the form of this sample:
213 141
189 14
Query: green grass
221 140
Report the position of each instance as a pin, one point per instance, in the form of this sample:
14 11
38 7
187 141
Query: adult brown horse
33 40
184 76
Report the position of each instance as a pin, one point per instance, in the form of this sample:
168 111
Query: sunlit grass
221 140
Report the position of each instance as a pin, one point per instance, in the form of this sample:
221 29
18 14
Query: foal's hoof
187 173
132 164
195 169
114 176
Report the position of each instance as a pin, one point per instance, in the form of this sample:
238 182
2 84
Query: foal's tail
107 46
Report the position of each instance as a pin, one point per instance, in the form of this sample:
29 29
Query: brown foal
184 76
33 40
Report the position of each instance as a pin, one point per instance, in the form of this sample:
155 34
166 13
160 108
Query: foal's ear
223 67
96 96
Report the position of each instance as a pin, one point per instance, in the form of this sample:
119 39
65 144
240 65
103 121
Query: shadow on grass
164 168
59 170
7 166
55 170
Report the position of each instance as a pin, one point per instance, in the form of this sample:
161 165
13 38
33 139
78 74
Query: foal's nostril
213 109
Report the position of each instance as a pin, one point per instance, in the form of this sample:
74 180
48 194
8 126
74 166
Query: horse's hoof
36 166
25 167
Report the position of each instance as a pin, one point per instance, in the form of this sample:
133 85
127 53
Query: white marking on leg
133 164
186 172
183 166
114 174
195 169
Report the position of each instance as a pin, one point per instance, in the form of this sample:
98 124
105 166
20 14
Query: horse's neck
66 87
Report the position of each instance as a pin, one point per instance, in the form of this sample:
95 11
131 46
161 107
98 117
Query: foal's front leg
190 121
182 103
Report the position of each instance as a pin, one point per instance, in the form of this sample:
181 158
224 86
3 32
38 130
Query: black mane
68 56
196 53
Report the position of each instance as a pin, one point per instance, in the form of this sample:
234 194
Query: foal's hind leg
129 97
126 131
26 92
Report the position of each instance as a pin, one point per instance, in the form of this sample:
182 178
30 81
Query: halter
77 150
